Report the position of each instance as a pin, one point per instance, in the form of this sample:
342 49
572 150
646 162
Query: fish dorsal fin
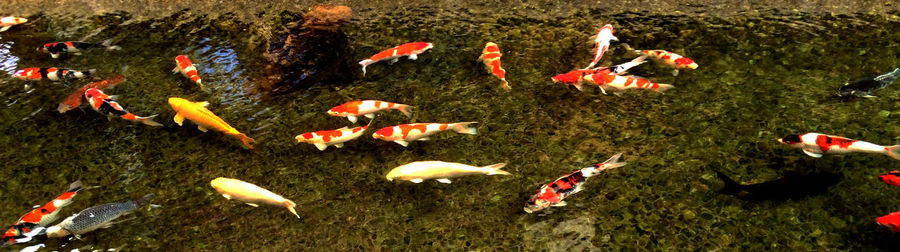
202 104
253 205
344 128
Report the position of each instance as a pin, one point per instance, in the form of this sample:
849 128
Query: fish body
491 58
417 172
815 144
104 104
337 138
865 86
577 77
205 119
251 194
405 133
411 50
74 100
890 178
74 47
7 22
94 218
184 66
601 43
51 74
352 110
891 221
554 194
42 216
608 80
671 59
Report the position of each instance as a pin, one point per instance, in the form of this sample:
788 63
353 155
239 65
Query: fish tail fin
465 128
893 151
630 49
291 206
405 109
663 87
109 46
494 169
148 120
505 84
62 108
143 201
731 186
89 72
364 64
75 186
246 140
611 163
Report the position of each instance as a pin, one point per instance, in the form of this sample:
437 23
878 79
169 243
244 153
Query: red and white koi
669 58
491 58
184 66
324 138
7 22
608 80
74 100
43 216
577 77
405 133
74 47
366 108
105 104
411 50
51 74
601 43
815 144
553 194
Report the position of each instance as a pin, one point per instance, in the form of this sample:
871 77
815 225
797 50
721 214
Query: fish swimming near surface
606 79
184 66
792 185
352 110
105 104
577 77
405 133
251 194
42 216
815 144
7 22
668 58
76 98
601 43
205 119
891 221
554 194
865 86
417 172
890 178
491 58
74 47
324 138
51 74
94 218
410 50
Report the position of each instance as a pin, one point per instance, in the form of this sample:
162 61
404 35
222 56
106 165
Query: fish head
13 20
45 48
536 204
891 220
305 137
792 140
891 178
22 74
177 102
685 62
56 232
383 133
571 77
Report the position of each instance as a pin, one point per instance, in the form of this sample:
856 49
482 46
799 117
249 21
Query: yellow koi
205 119
251 194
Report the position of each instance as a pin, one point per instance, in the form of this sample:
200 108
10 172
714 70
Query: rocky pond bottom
761 77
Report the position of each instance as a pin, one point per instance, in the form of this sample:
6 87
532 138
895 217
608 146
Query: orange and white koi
411 50
606 79
51 74
7 22
491 58
405 133
366 108
815 144
184 66
553 194
74 100
41 217
601 43
669 58
205 119
324 138
105 104
74 47
577 77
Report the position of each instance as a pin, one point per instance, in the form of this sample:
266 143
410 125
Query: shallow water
760 77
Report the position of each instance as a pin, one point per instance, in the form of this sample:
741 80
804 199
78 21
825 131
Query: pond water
761 77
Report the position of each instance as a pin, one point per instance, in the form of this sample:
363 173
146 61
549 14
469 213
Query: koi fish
491 58
74 100
865 86
43 216
815 144
891 221
891 178
576 77
105 104
417 172
602 41
74 47
792 185
51 74
411 50
94 218
669 58
205 119
404 133
184 66
367 108
251 194
323 139
608 80
553 194
7 22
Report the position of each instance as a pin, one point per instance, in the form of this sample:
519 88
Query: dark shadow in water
792 185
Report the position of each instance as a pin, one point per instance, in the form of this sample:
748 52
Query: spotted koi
411 50
553 194
815 144
105 104
491 58
184 66
669 58
608 80
51 74
74 100
74 47
577 77
7 22
405 133
41 217
366 108
601 43
324 138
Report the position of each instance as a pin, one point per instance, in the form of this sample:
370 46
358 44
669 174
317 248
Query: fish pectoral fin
340 145
5 28
109 118
370 116
253 205
394 60
401 142
413 56
227 196
602 89
203 104
443 180
179 119
418 180
201 128
812 153
559 204
352 119
869 96
321 146
423 139
114 97
54 55
175 70
675 72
